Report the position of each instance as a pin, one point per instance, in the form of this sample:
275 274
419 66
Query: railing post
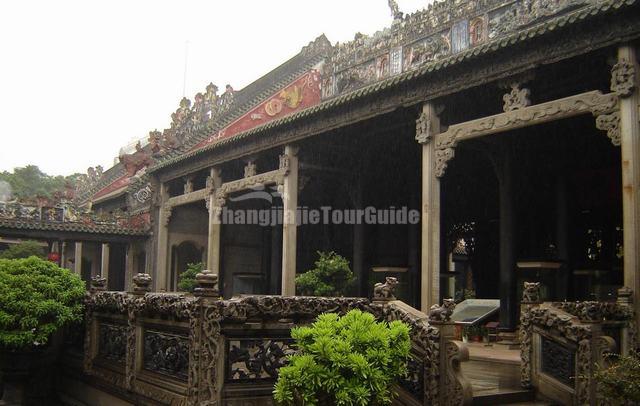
530 300
206 357
454 389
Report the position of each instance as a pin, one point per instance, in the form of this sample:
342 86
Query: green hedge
37 297
344 361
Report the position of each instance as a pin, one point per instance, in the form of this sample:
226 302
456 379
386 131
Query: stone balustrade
184 349
563 343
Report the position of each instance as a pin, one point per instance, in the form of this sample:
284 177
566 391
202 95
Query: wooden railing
183 349
563 343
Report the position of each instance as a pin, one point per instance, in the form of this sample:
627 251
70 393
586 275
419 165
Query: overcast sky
80 79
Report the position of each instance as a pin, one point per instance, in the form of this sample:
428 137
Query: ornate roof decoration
443 29
87 181
68 217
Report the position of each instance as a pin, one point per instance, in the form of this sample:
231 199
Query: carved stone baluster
530 301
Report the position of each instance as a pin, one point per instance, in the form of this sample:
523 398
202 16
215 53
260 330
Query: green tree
344 361
24 249
330 277
187 281
30 181
37 297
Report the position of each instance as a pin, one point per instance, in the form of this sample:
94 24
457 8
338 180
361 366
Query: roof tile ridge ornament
320 45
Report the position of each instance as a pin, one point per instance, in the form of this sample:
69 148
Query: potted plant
349 360
187 282
37 299
620 382
330 277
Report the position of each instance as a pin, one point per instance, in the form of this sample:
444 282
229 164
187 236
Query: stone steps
494 373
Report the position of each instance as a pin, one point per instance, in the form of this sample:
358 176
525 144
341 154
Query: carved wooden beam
262 179
603 106
187 198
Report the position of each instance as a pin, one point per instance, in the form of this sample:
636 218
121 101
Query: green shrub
620 383
37 297
349 360
331 277
187 281
25 249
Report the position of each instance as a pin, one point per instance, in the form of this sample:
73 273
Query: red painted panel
302 93
120 183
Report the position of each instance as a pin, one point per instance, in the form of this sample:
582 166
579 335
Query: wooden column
163 241
507 288
104 263
77 261
289 226
359 236
427 127
630 156
215 226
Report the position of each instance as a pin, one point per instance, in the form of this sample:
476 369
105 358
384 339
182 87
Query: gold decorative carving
623 78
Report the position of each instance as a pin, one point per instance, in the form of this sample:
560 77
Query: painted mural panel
304 92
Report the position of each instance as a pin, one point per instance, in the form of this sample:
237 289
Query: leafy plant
37 297
330 277
187 281
24 249
344 361
620 382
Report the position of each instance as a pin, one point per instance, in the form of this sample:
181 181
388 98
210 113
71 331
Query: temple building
511 128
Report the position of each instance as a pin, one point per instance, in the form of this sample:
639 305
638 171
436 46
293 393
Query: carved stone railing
183 349
563 344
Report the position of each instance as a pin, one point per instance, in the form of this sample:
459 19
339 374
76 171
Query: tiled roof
72 227
486 48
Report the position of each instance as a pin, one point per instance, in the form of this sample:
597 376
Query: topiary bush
25 249
620 383
331 277
187 281
37 297
346 361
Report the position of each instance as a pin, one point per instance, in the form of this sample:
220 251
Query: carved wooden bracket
594 102
165 214
623 78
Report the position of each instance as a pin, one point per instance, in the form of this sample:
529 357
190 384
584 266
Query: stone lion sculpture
385 291
442 313
531 292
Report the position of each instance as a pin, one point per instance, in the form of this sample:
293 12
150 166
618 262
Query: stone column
215 227
507 289
104 264
427 127
163 241
77 261
289 226
63 257
129 265
625 83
